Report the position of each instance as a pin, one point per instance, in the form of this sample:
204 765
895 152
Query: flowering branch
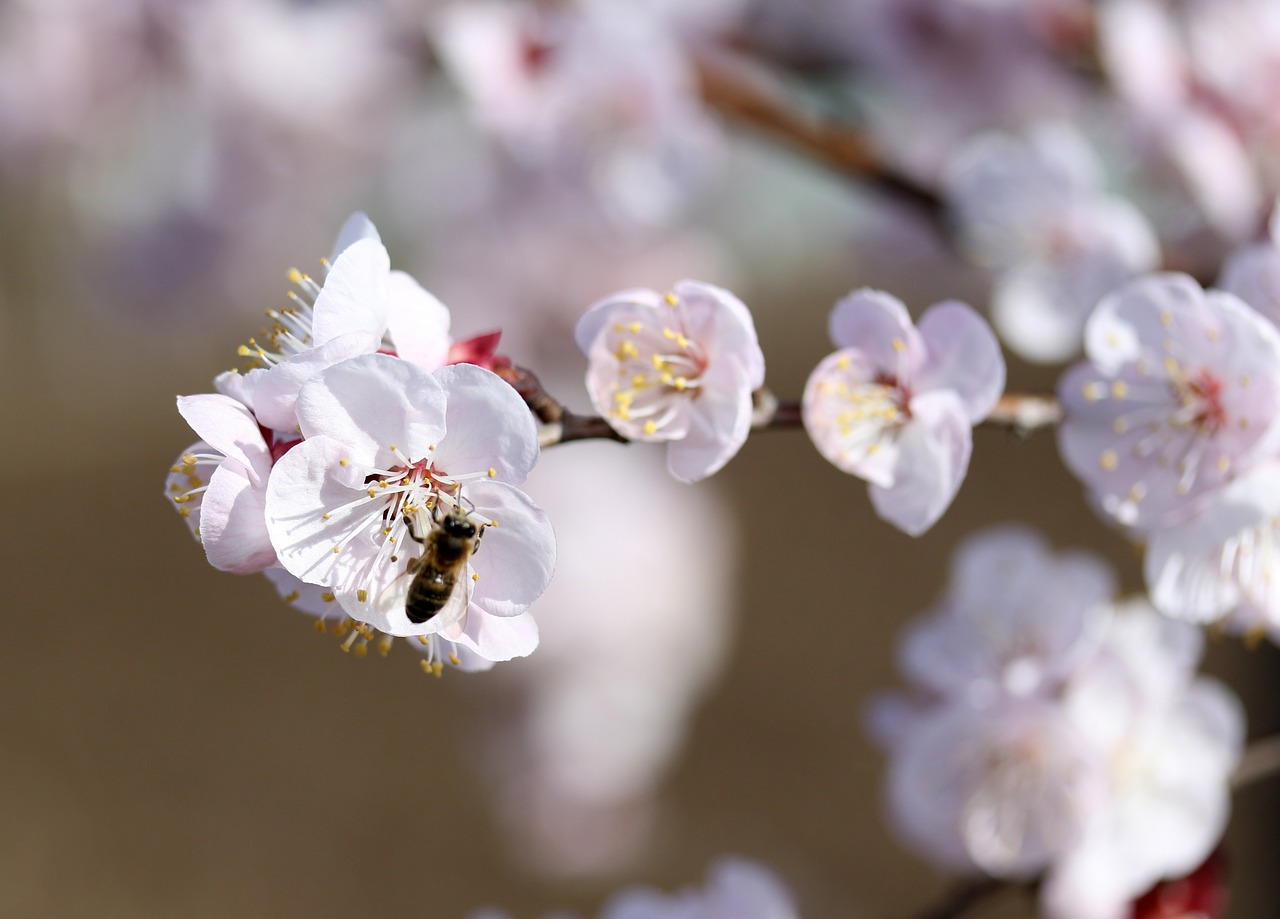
1017 412
742 91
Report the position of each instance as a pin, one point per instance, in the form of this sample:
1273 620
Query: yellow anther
244 351
1244 381
337 549
344 462
185 512
291 596
325 516
362 595
425 665
492 472
671 298
635 328
382 483
658 362
669 334
189 459
475 576
362 649
1166 318
1093 391
373 492
320 626
1119 389
181 499
384 645
843 362
453 659
295 276
619 327
650 426
437 669
424 640
1223 464
393 448
1108 460
1120 426
175 468
899 345
681 383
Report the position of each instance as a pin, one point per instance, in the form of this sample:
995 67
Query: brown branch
743 91
1016 412
963 898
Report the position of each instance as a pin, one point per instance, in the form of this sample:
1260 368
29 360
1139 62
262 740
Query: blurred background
178 742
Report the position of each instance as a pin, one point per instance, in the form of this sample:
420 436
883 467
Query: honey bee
439 574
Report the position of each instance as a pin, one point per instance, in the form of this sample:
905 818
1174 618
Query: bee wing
456 606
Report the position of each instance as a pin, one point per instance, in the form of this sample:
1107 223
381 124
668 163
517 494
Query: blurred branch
1261 759
743 91
1016 412
962 899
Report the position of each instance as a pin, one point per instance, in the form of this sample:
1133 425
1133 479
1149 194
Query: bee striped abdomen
428 594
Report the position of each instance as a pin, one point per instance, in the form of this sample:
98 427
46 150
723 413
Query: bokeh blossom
676 368
1179 395
1108 770
896 404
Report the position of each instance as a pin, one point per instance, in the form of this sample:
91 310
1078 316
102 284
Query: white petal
370 403
354 295
722 324
417 322
962 356
275 393
517 557
719 423
499 638
230 428
933 457
357 227
878 324
232 521
600 314
487 426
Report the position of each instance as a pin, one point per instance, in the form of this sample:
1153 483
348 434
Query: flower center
659 370
868 412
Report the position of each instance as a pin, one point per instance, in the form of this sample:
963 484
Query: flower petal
878 324
230 428
718 423
275 392
516 558
232 521
417 322
357 227
488 426
723 325
373 401
599 314
933 457
499 638
354 295
963 356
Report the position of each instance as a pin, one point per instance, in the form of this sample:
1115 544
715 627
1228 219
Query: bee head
456 523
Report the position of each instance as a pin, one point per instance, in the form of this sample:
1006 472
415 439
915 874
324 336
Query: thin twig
1016 412
963 898
742 90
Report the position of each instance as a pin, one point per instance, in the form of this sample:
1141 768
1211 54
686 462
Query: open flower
219 483
677 368
360 306
896 404
389 449
1179 395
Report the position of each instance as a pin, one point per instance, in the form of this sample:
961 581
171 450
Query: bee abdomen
428 594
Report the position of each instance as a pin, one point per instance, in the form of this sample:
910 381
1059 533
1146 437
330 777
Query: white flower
677 368
896 404
386 441
360 306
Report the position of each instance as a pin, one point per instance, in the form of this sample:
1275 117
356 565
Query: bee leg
413 565
475 547
411 525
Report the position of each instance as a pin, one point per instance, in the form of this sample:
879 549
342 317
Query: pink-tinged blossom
896 404
385 441
1223 564
1033 209
219 483
676 368
1006 788
736 889
360 306
1179 395
1170 742
1017 618
601 91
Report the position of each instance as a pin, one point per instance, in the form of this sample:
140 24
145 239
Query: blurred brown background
178 744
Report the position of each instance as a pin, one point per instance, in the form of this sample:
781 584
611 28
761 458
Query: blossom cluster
1173 423
360 464
1051 730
